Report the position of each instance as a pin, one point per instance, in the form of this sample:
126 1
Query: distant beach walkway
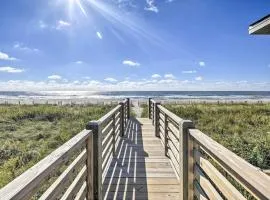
136 108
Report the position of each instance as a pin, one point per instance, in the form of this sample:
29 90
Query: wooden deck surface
140 170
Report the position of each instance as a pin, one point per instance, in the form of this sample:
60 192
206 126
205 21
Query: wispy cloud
79 62
189 72
42 24
99 35
22 47
8 69
109 79
199 78
169 76
151 6
156 76
202 64
4 56
54 77
169 1
61 24
131 63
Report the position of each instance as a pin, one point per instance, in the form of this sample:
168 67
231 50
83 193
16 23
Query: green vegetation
29 133
145 110
242 128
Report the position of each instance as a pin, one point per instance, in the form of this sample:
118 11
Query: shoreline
138 101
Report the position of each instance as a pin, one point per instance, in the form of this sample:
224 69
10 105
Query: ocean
116 95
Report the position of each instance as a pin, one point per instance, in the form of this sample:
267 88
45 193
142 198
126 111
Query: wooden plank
64 179
252 178
104 119
82 193
157 188
206 185
173 116
75 186
143 181
143 196
26 184
108 140
227 189
107 129
198 192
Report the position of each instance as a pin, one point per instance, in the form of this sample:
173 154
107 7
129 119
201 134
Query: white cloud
151 6
189 72
79 62
55 77
42 24
11 70
99 35
199 78
131 63
62 24
156 76
169 76
4 56
146 85
22 47
109 79
202 64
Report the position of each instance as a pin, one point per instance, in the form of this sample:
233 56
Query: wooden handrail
91 151
250 177
24 186
198 176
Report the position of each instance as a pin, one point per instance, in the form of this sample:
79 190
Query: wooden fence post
157 120
122 119
97 158
186 160
149 108
166 133
128 108
89 165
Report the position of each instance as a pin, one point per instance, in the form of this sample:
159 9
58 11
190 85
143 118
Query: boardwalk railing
75 169
205 168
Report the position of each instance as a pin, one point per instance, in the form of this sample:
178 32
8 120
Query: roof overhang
260 27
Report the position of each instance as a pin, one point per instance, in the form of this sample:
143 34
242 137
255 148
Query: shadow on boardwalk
126 177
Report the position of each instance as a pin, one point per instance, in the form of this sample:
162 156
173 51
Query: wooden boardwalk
140 169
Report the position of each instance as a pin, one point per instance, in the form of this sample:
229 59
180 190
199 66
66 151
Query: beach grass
29 133
242 128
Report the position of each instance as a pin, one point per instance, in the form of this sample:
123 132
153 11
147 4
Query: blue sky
133 45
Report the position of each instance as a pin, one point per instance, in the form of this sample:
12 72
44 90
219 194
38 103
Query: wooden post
185 161
113 135
89 165
153 113
157 120
149 108
122 120
97 158
166 133
128 108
